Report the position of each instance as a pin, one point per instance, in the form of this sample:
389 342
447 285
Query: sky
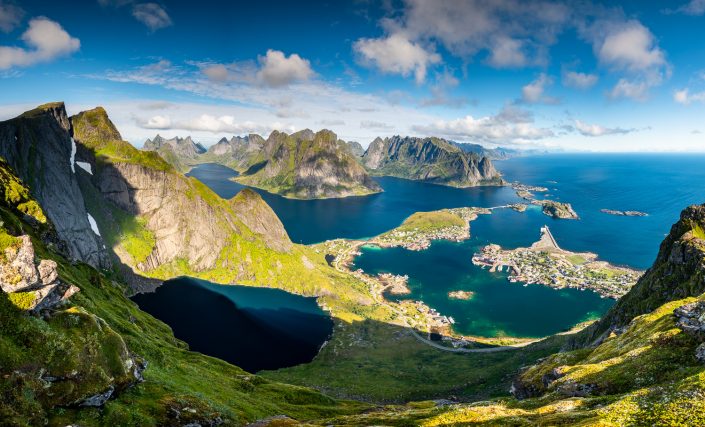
530 74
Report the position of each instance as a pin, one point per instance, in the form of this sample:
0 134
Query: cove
314 221
253 328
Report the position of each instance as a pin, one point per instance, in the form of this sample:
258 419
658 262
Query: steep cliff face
170 217
678 272
306 165
182 147
39 146
429 159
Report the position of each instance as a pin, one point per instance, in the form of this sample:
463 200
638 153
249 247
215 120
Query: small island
623 213
394 284
461 295
555 209
547 264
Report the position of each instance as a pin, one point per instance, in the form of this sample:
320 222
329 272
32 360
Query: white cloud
274 69
579 80
152 15
506 53
594 130
533 93
395 54
510 125
45 39
279 70
372 124
10 17
157 122
693 7
636 90
631 47
684 97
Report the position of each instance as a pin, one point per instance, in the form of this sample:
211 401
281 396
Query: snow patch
94 225
85 166
73 156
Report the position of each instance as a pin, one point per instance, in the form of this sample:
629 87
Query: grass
576 259
698 232
431 221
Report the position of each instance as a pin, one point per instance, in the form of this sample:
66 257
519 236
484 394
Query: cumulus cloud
10 16
205 123
511 125
279 70
579 80
685 97
274 69
152 15
631 48
533 93
395 54
45 39
594 130
156 122
508 33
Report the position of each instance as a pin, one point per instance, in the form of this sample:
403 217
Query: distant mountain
498 153
429 159
236 152
305 165
354 147
180 152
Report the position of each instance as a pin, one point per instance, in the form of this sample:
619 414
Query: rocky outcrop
690 318
308 166
429 159
39 146
256 214
678 272
555 209
37 284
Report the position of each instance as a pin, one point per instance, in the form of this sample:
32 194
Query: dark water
313 221
253 328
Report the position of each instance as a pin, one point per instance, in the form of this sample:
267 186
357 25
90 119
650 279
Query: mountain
182 147
307 165
235 153
353 147
429 159
498 153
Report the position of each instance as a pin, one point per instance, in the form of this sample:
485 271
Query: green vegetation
16 194
431 221
646 376
576 259
94 130
698 232
22 300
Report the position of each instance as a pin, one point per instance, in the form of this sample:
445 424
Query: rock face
353 147
678 272
185 219
429 159
308 166
556 210
38 145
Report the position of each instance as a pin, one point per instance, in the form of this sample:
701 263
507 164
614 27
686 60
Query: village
547 264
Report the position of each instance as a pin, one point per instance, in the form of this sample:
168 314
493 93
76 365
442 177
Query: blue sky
578 75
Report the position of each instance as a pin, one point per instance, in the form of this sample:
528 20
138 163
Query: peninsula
547 264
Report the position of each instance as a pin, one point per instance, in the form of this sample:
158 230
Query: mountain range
87 220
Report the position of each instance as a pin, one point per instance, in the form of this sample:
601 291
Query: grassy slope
646 376
92 333
430 221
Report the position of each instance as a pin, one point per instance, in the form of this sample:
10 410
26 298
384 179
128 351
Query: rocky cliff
678 272
155 216
182 147
305 165
39 146
429 159
236 153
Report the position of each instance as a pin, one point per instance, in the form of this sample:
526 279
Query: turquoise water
253 328
660 185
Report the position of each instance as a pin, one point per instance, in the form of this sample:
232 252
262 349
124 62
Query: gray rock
19 273
700 353
47 271
99 399
38 146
